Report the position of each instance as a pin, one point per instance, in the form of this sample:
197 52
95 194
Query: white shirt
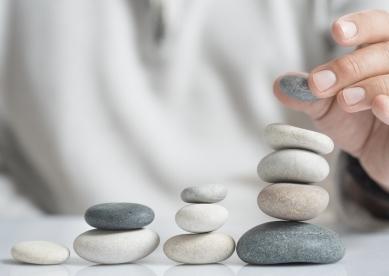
102 103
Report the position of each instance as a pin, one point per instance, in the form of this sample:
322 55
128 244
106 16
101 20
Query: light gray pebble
115 246
204 194
40 252
293 165
281 136
297 88
201 218
280 242
293 201
199 248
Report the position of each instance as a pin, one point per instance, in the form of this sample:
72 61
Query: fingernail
349 29
324 79
354 95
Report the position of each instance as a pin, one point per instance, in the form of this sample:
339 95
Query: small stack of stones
292 167
201 218
119 237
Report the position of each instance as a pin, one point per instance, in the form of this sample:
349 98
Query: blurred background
133 101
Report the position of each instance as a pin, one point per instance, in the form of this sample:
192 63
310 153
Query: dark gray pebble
119 216
297 88
280 242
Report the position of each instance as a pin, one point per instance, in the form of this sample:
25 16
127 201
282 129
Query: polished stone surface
281 136
205 248
293 201
116 246
204 194
201 218
119 216
293 165
40 252
280 242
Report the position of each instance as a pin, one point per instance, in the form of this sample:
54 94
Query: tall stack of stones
294 165
201 218
120 236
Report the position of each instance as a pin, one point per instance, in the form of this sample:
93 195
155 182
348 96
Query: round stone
293 201
204 194
40 252
280 136
115 246
297 88
293 165
280 242
119 216
201 218
199 248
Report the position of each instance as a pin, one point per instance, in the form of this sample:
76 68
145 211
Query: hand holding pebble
357 118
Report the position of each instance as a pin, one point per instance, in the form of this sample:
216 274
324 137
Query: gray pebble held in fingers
297 88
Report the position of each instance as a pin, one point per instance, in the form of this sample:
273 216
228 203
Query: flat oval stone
297 88
293 201
40 252
204 194
115 246
281 136
201 218
119 216
199 248
293 165
280 242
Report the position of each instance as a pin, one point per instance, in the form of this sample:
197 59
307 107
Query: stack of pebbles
293 166
201 218
119 237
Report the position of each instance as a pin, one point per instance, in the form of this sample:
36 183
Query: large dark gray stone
280 242
297 88
119 216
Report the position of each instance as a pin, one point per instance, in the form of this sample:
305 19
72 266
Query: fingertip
337 33
380 108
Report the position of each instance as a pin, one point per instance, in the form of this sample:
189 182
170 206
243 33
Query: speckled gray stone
293 201
293 166
279 242
204 194
201 218
119 216
297 88
281 136
40 252
116 246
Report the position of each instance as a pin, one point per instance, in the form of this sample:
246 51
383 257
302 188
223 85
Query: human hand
354 110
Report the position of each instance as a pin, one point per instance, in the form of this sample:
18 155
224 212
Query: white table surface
367 253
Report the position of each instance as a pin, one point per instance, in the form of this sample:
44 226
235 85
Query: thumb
293 92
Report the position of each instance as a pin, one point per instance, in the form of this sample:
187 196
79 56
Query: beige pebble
201 218
293 201
281 136
40 252
199 248
293 165
116 246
